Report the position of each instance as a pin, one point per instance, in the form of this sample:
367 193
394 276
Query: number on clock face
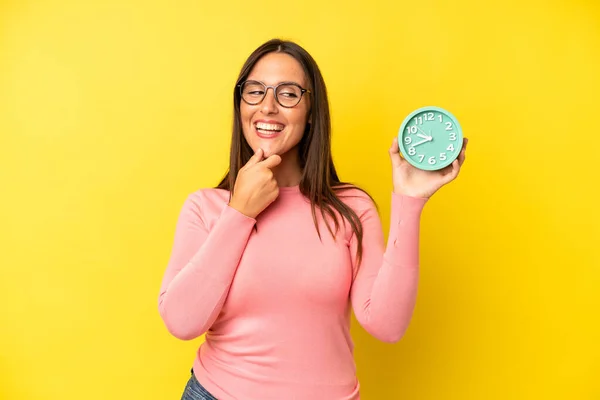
430 139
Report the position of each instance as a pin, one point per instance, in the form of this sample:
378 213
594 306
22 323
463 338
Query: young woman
270 263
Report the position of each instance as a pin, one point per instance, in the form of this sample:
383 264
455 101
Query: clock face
430 138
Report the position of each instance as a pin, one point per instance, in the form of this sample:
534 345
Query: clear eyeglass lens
289 95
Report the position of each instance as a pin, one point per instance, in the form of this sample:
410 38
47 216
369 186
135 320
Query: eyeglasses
288 94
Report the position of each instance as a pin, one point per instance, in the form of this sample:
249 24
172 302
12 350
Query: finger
256 157
461 157
462 154
271 161
394 152
455 170
452 173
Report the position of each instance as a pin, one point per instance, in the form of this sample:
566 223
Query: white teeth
269 127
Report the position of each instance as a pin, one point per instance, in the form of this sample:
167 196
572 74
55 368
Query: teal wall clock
430 138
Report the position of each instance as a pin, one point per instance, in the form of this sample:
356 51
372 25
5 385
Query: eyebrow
278 83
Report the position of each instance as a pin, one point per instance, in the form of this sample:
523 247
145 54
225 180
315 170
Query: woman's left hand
411 181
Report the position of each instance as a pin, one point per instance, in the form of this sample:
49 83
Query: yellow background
111 112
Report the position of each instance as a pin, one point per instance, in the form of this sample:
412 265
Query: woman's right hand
255 186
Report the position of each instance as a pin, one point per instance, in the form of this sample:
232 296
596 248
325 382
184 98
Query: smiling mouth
268 129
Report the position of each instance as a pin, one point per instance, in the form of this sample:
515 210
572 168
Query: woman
270 263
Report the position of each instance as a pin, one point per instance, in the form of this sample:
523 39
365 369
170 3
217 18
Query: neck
288 172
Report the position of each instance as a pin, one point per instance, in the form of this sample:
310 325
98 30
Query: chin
269 152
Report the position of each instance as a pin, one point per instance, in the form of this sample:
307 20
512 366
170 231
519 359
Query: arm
201 268
385 287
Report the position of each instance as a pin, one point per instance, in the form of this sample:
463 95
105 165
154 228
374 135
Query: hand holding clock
412 181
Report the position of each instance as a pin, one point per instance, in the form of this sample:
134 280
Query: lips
268 129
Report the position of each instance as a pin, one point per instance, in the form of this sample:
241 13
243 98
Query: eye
289 91
253 89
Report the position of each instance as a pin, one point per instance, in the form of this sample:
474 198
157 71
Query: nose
269 103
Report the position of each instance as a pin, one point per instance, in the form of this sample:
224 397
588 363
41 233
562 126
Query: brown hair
319 181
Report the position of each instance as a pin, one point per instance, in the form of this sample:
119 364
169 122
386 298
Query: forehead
278 67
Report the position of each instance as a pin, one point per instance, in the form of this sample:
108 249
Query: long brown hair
319 182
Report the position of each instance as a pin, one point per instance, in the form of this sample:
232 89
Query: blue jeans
195 391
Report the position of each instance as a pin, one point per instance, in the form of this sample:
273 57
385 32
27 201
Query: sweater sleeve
384 290
201 269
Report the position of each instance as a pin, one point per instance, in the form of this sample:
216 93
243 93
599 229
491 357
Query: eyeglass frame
302 91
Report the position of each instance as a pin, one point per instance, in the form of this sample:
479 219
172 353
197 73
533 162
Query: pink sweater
275 303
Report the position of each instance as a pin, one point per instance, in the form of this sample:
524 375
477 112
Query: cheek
298 118
246 117
245 113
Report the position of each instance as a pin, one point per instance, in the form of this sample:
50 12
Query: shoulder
206 203
208 196
355 197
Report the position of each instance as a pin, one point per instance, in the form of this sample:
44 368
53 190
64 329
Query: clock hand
424 133
422 136
421 142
